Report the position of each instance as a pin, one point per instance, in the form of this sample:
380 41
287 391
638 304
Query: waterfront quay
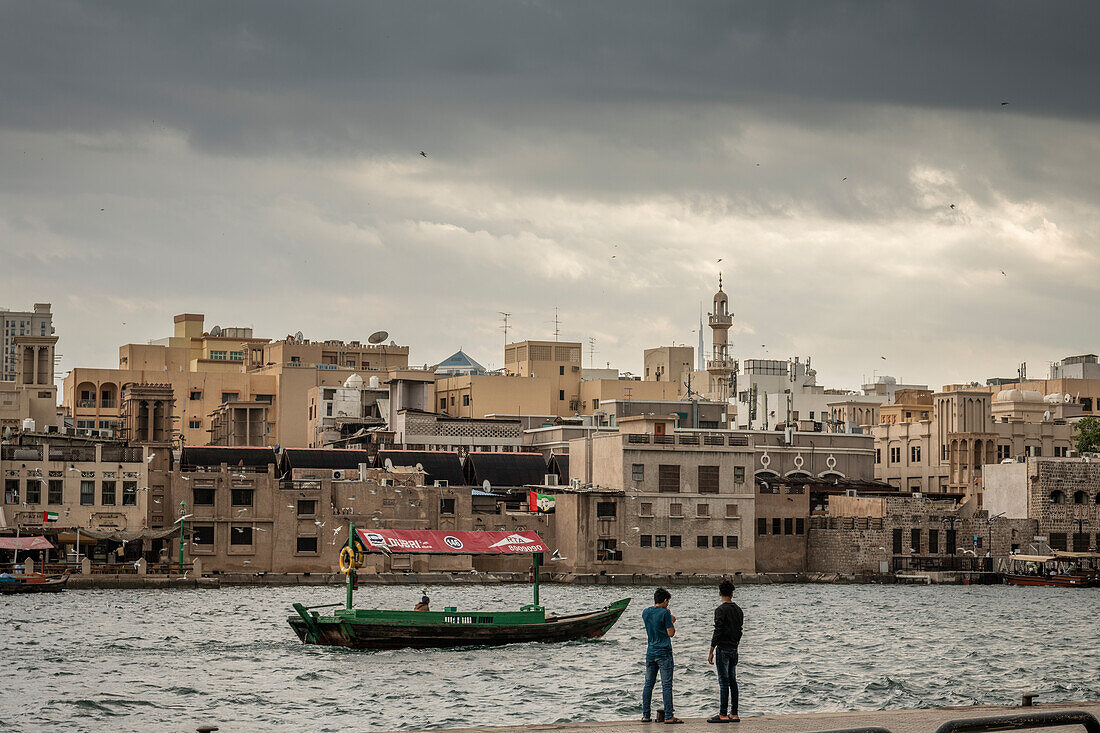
895 721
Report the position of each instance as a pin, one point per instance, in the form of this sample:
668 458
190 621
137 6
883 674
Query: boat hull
371 634
35 585
1055 581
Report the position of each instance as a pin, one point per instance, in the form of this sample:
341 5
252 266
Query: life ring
349 560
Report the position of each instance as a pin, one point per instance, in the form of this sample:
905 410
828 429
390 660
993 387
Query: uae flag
49 516
540 502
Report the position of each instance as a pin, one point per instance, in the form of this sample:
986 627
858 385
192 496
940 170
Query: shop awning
436 542
1031 558
25 543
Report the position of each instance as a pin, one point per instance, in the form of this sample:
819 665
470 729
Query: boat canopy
440 542
25 543
1031 558
1065 555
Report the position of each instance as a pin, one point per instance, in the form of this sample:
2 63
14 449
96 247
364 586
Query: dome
354 382
1008 395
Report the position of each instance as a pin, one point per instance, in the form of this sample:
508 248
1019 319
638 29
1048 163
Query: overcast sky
259 162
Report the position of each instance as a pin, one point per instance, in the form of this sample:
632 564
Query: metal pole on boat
351 549
536 557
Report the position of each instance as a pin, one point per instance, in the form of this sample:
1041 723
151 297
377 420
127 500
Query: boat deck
897 721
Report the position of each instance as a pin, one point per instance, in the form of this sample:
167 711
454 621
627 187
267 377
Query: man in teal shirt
659 628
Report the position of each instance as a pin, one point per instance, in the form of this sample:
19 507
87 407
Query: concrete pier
897 721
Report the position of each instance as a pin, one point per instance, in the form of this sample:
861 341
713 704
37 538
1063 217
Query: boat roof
1064 555
25 543
1032 558
440 542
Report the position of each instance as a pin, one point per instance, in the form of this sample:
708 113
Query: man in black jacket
729 620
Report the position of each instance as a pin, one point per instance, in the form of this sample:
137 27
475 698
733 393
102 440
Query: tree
1086 434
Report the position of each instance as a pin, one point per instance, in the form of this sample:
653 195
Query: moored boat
34 583
1060 570
387 629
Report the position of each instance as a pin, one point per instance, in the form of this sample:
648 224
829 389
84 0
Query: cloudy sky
259 162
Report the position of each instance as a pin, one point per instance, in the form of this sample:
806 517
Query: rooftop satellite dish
1046 415
1067 398
378 337
388 465
216 331
486 485
299 337
420 467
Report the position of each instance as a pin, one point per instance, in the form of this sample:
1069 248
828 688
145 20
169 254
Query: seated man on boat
423 605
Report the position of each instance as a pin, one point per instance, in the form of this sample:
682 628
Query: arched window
1079 497
1057 497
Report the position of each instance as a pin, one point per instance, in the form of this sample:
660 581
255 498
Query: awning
1031 558
1064 555
129 535
25 543
435 542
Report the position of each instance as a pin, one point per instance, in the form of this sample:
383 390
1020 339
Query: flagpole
536 557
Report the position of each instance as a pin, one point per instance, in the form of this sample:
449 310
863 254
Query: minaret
701 356
720 365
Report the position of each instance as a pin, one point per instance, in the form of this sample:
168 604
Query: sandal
672 721
647 720
733 719
717 719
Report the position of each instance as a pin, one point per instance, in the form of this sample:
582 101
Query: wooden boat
1060 570
385 629
33 584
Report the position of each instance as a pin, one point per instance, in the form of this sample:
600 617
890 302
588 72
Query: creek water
176 659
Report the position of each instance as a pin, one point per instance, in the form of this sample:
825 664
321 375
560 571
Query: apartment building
688 499
31 393
36 322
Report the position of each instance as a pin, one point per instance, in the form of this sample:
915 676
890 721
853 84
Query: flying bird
883 358
952 206
1004 273
151 457
719 259
423 154
1004 104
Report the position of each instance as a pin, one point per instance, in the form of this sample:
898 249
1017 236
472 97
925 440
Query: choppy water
171 660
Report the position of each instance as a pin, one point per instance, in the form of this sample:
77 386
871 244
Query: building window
878 455
646 540
307 544
702 510
897 541
933 542
788 525
202 534
668 478
307 507
194 423
914 454
107 493
702 541
1061 451
561 395
195 395
895 454
230 397
595 404
202 497
731 511
1004 452
637 472
949 539
240 534
11 491
87 493
442 403
217 355
446 506
241 497
646 509
674 540
1058 541
239 356
676 510
738 474
777 525
800 526
731 541
561 371
34 491
605 510
129 493
708 479
761 526
660 541
716 541
914 541
55 492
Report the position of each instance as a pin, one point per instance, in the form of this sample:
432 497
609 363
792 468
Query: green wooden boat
451 627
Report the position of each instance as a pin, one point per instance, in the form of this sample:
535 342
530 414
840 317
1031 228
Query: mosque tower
720 366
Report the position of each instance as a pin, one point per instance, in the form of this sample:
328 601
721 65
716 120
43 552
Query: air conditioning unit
918 495
550 479
388 482
441 484
851 492
575 484
337 475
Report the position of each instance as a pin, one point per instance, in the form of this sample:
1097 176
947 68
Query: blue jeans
652 665
725 660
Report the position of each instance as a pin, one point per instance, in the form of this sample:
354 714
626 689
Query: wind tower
720 366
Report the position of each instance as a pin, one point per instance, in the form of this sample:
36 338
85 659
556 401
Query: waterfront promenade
897 721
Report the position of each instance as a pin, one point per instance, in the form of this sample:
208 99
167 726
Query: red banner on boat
25 543
437 542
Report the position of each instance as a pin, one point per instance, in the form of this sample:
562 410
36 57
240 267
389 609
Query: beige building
1075 380
37 322
477 395
1062 496
31 394
688 501
669 364
853 416
910 405
209 369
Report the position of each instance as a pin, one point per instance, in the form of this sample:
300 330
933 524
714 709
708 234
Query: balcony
721 363
85 403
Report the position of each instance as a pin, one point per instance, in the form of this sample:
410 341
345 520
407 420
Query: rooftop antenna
557 324
592 351
505 316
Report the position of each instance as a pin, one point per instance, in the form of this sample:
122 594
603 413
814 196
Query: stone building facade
1061 495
